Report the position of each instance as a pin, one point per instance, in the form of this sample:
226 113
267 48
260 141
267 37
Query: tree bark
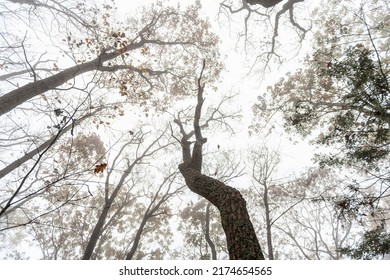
241 238
20 95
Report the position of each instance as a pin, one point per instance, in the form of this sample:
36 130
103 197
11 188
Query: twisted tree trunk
241 238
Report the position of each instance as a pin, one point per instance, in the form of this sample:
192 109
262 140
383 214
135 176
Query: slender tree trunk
268 224
207 235
97 231
28 156
137 238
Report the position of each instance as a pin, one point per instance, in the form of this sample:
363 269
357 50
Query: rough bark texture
241 238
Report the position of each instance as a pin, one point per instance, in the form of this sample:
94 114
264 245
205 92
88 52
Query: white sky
295 156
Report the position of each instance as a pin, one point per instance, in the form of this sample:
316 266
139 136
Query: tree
200 222
267 46
203 234
241 238
110 195
154 210
375 244
263 168
109 59
303 221
126 205
111 54
340 98
66 122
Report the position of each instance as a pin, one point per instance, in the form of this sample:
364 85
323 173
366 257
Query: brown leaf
99 168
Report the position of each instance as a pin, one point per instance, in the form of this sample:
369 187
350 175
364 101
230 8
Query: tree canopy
179 130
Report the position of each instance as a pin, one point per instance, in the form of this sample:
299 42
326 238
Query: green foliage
346 100
361 117
362 125
375 244
340 99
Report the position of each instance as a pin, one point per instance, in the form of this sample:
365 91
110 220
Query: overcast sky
247 85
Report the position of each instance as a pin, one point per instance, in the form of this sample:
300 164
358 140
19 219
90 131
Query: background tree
375 244
312 227
304 223
273 19
203 235
125 206
340 99
136 80
263 168
112 192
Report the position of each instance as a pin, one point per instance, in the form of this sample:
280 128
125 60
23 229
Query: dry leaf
99 168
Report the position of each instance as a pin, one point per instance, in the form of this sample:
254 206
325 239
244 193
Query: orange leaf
99 168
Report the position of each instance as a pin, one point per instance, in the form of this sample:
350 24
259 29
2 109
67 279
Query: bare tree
153 211
316 232
271 15
203 234
263 168
110 195
112 53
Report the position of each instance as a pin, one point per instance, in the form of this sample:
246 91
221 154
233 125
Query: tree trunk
207 234
97 231
268 224
137 238
20 95
241 239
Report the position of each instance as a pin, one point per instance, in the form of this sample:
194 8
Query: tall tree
241 238
266 46
263 169
203 235
113 50
111 193
340 98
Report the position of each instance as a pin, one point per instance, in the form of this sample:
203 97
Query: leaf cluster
374 244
